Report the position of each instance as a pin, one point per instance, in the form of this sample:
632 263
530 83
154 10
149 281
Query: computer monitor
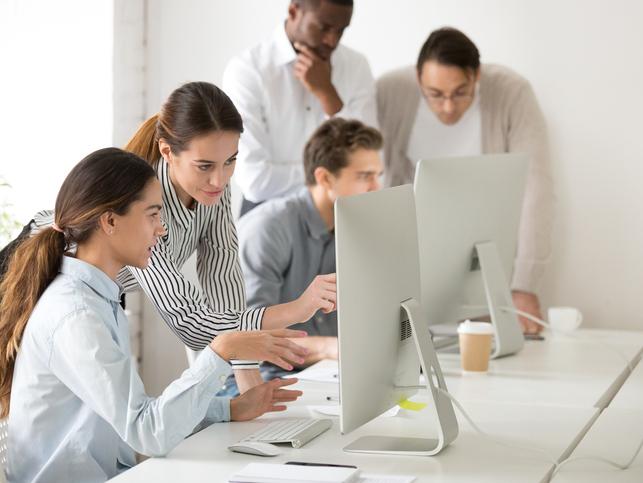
468 211
383 337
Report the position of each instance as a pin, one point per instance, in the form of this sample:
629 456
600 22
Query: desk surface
630 396
615 435
544 397
590 361
204 456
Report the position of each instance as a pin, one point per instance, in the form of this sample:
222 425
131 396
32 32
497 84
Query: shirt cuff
218 410
251 319
240 364
208 364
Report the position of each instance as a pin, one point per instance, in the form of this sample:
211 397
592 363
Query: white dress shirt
279 113
78 407
431 138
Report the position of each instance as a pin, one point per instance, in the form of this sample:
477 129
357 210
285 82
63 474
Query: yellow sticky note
411 406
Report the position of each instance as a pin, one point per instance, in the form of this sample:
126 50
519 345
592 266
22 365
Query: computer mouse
255 447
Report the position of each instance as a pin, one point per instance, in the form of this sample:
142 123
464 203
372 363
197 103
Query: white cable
557 465
491 438
549 326
601 459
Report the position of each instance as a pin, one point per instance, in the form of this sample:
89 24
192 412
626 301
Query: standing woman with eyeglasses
192 144
450 104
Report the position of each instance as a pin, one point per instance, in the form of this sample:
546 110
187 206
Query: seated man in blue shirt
286 242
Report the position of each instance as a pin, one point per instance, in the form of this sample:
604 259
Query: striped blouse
195 315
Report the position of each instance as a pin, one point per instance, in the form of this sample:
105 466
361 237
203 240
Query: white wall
583 59
55 93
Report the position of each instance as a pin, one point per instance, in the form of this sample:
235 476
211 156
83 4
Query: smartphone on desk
304 463
533 337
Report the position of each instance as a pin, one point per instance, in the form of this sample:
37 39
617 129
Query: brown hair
449 46
192 110
107 180
333 141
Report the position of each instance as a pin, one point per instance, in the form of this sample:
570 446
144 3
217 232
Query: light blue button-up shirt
78 407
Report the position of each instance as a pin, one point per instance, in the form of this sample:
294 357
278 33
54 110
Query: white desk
544 397
567 371
203 457
615 436
630 396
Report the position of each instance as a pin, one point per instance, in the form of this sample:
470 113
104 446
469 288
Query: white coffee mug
565 319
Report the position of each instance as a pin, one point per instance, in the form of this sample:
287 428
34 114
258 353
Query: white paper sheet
323 371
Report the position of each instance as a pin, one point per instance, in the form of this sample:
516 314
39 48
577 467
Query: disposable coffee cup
475 345
565 319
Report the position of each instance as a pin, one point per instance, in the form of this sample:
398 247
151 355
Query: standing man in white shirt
286 86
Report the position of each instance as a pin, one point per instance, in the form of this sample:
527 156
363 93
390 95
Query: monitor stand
508 333
445 416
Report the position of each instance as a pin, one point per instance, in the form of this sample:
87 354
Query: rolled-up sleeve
360 96
86 358
265 255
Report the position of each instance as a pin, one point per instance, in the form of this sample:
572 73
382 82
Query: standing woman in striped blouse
192 144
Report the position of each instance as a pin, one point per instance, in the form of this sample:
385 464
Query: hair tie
57 228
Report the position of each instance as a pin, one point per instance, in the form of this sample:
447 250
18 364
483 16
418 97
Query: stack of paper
275 473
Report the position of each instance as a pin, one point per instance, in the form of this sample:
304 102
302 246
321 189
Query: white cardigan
511 122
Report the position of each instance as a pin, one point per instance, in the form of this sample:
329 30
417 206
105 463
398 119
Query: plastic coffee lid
468 327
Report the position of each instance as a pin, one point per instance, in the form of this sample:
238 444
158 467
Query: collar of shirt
316 226
92 276
284 52
175 209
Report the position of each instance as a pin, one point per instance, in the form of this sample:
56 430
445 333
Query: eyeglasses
440 99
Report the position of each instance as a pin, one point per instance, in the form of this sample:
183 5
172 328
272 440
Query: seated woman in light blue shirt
77 407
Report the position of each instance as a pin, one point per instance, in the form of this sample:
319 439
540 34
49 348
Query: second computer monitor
468 212
383 336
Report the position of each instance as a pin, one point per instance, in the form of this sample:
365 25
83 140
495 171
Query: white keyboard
294 431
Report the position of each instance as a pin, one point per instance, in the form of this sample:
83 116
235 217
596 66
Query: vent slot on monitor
405 330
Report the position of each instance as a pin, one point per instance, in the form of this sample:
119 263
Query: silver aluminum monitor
383 338
468 211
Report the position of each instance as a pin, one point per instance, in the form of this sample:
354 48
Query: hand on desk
266 397
528 302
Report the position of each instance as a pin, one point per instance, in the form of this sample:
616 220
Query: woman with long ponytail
76 405
192 145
